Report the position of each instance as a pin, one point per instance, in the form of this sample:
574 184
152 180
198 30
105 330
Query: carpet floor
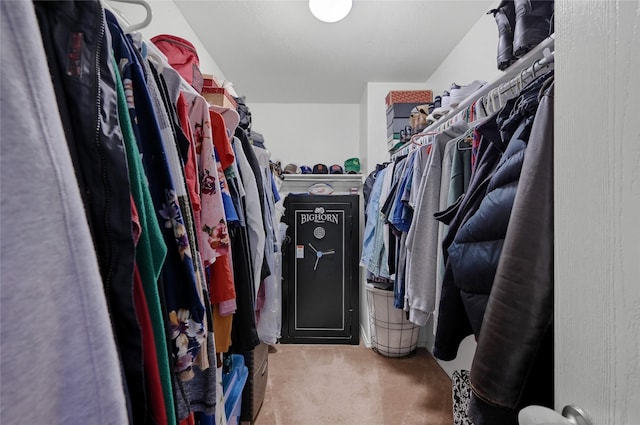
344 384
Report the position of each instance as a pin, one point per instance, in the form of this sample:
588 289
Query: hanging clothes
213 231
252 182
48 255
370 198
151 270
222 287
456 174
373 247
243 334
399 218
270 313
423 234
160 183
184 303
519 312
476 234
150 254
83 93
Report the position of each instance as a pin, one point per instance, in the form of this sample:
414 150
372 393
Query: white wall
474 58
308 133
364 131
167 19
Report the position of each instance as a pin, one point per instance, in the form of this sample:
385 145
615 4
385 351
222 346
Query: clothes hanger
468 138
471 111
493 95
145 22
510 88
548 57
409 146
520 81
413 141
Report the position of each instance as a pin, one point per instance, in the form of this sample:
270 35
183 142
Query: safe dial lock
320 254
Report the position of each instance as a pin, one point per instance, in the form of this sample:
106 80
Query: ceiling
277 52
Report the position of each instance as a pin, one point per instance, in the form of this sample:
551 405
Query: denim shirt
372 240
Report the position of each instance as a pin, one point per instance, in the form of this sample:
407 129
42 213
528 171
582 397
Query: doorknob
539 415
576 415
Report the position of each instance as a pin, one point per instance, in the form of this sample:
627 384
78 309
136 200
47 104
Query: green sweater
151 250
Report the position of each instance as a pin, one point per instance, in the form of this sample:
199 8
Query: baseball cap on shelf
320 169
352 166
336 169
305 169
290 169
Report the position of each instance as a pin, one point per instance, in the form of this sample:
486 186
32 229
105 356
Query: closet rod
529 65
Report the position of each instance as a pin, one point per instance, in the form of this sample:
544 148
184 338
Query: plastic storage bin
392 335
233 384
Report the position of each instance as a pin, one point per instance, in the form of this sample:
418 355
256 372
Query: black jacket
78 52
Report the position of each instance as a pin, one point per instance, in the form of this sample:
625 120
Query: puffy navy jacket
476 249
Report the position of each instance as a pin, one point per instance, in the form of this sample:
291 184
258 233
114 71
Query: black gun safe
320 301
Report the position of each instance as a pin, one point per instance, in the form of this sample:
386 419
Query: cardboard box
219 96
210 80
409 96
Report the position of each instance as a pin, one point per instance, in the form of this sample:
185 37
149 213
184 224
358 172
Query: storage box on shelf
419 97
219 96
210 80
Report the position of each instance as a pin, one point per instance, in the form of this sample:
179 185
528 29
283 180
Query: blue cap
305 169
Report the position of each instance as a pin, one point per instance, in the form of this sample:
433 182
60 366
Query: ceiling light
330 10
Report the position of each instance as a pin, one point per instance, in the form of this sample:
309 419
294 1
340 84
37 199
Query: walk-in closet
319 212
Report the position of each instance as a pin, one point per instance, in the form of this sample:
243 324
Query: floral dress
213 233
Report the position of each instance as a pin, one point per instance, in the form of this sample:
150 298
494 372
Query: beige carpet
342 384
